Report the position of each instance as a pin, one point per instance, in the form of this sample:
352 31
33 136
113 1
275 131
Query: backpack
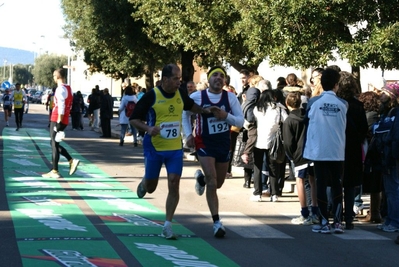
129 108
379 154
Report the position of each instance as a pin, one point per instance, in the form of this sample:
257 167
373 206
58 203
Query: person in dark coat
94 108
251 97
356 132
372 176
76 110
106 113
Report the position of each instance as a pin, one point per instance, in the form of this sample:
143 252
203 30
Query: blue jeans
133 130
391 186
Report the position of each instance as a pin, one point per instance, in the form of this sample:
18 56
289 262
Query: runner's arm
236 117
186 120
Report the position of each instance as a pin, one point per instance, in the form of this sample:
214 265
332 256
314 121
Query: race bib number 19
170 130
216 126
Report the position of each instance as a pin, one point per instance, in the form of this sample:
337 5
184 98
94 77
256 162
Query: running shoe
358 209
52 174
256 198
381 226
322 228
140 190
265 191
274 198
168 233
302 220
315 219
338 228
390 228
199 177
218 229
73 165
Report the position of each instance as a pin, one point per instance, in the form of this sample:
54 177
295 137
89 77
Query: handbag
239 149
277 152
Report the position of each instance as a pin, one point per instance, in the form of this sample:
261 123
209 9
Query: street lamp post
11 74
4 69
34 52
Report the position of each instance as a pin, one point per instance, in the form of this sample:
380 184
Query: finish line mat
89 218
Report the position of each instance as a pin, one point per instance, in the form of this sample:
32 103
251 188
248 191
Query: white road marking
354 234
248 227
23 162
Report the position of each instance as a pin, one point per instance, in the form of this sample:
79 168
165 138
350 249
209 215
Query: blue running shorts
172 159
302 171
220 155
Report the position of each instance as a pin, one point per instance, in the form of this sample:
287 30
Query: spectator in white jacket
325 146
268 115
125 110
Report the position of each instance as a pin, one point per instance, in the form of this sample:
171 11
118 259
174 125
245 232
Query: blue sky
33 25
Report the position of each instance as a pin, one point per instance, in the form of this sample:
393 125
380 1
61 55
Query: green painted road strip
89 218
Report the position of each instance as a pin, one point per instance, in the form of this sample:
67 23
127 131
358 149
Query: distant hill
15 56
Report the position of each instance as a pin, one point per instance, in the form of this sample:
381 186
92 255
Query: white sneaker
315 219
52 174
358 209
256 198
168 233
199 189
73 166
218 229
322 228
274 198
302 220
266 192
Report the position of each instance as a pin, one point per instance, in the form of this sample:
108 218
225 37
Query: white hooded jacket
268 123
325 137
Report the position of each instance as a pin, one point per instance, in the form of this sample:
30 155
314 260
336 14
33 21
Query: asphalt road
258 233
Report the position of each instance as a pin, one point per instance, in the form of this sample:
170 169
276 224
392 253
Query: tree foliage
125 35
45 66
375 37
112 41
203 27
22 74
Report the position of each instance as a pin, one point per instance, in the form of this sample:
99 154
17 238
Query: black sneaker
199 177
140 190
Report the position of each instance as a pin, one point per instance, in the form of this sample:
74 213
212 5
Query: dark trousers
276 175
76 120
233 142
329 173
56 148
259 156
106 127
349 200
19 114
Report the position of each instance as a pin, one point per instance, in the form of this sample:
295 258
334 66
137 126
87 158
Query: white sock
167 223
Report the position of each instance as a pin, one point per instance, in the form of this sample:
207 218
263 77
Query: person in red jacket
58 122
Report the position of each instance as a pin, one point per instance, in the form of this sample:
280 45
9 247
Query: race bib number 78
170 130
